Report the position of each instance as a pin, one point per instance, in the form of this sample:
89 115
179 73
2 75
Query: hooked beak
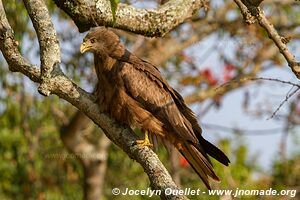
84 47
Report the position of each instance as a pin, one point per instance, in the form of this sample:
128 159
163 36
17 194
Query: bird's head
100 40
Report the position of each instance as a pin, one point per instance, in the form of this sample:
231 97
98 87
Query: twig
289 95
237 80
276 80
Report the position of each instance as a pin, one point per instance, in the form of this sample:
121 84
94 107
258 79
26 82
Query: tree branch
49 45
288 95
148 22
63 87
247 7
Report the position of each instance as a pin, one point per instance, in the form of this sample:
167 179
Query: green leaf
114 6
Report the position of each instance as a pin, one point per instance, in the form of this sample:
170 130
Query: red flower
229 67
206 73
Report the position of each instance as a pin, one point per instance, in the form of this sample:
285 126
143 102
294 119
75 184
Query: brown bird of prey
133 92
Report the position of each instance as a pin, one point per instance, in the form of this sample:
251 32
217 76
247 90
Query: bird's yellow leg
145 141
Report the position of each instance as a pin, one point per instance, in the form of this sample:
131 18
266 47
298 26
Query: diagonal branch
64 88
247 7
148 22
49 45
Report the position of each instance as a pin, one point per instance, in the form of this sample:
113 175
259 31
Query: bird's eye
92 40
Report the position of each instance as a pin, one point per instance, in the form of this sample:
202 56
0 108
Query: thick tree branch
148 22
49 45
63 87
247 7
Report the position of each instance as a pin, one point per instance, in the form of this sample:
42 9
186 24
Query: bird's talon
143 143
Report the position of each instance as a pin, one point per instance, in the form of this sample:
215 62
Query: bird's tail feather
214 151
199 162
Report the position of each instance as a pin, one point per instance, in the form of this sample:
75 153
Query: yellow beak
83 47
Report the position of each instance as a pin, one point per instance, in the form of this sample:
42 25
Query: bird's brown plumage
133 92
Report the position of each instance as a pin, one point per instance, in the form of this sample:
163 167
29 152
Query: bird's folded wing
155 75
146 86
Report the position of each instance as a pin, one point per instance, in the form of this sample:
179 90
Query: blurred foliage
286 173
17 17
34 163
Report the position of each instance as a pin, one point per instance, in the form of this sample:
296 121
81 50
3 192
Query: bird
133 92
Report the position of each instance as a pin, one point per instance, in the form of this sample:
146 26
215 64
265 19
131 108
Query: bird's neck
118 52
103 63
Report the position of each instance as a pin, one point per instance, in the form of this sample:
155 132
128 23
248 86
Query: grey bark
148 22
49 45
